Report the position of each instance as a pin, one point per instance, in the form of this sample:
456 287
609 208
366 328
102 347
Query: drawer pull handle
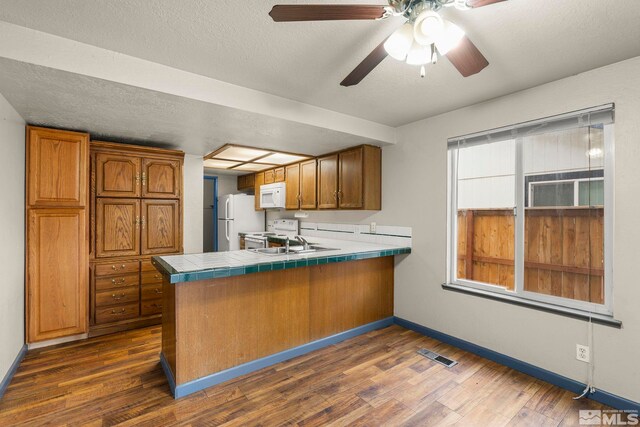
118 281
157 291
156 305
157 276
122 311
116 297
113 267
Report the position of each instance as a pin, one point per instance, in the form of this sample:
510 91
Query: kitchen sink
294 250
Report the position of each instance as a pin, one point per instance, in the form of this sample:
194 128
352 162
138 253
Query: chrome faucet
305 243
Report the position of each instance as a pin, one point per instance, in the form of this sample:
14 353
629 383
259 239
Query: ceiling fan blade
366 66
467 58
325 12
480 3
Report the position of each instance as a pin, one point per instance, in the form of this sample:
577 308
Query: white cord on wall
590 366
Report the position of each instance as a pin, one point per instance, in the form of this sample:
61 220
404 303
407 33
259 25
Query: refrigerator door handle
226 230
226 207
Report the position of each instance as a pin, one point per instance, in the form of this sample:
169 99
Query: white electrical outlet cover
582 353
372 227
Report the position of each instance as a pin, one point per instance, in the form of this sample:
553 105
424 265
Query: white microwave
273 195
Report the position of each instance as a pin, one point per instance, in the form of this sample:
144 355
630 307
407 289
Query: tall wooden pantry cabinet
136 212
57 241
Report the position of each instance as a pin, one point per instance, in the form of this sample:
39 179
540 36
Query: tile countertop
211 265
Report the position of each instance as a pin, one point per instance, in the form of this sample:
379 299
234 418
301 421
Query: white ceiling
528 43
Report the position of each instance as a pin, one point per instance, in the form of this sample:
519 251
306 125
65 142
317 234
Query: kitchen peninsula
226 314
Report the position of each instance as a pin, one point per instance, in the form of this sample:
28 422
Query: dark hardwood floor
371 380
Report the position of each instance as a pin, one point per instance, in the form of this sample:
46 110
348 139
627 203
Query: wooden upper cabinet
259 180
246 182
57 273
160 227
279 174
269 176
58 164
161 178
328 182
117 227
308 193
293 186
350 177
117 175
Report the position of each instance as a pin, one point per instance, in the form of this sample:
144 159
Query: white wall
227 184
193 190
415 194
12 141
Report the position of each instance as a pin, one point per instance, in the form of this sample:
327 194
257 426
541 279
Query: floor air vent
437 357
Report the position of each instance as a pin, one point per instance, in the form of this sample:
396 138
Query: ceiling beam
43 49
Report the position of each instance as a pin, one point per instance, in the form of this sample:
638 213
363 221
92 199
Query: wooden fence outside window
563 250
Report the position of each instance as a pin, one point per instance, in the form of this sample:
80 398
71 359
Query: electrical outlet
372 227
582 353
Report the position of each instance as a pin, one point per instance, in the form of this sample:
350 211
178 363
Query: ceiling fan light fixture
399 43
427 27
449 38
418 54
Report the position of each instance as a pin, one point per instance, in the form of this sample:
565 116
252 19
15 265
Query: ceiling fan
419 41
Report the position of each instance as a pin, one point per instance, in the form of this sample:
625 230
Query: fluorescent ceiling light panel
219 164
241 154
281 158
253 167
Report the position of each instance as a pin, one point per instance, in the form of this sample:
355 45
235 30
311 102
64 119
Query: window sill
536 305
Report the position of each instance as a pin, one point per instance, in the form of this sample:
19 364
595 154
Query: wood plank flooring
371 380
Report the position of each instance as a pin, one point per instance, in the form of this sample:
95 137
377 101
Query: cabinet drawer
151 307
116 268
152 291
116 313
147 266
151 277
117 296
119 281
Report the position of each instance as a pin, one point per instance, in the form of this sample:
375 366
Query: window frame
519 293
576 189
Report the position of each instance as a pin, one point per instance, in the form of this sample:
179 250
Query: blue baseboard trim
190 387
524 367
168 373
12 370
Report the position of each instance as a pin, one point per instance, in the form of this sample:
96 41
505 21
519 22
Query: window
530 210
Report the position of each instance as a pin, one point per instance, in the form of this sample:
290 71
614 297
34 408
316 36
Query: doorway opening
210 223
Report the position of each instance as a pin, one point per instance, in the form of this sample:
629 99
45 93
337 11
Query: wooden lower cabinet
56 282
125 294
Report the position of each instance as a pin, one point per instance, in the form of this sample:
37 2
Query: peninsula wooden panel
346 295
293 186
308 185
161 178
57 168
117 175
57 273
215 324
227 322
117 227
328 182
160 227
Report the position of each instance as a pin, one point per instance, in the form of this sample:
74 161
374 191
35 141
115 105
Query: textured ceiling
44 96
528 42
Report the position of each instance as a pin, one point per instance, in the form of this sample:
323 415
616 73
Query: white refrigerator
236 214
